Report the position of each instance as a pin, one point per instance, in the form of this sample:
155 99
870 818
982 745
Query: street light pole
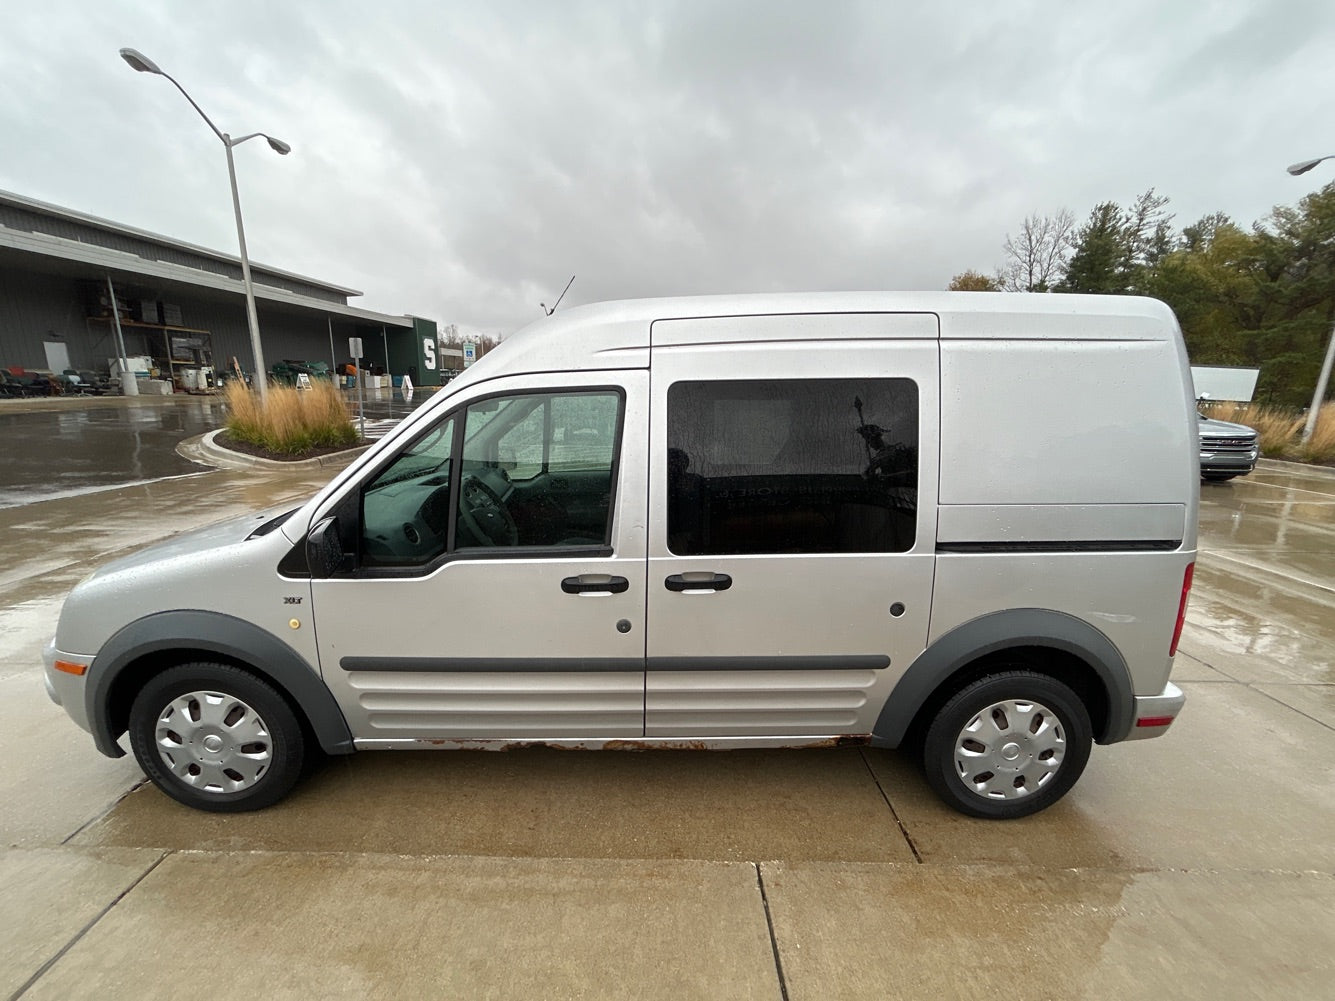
1319 397
138 61
252 317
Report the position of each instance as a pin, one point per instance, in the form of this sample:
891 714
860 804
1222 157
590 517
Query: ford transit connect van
964 523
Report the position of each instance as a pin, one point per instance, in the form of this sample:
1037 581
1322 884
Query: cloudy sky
461 160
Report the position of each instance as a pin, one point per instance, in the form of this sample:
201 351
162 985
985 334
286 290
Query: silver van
961 523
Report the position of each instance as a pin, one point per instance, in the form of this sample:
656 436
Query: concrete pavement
1195 866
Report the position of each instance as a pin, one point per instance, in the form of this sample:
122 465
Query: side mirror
324 551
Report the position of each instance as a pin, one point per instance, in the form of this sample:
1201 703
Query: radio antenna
549 312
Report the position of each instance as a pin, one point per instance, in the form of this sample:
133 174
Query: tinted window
792 466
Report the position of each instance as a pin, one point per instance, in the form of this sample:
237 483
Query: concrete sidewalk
300 926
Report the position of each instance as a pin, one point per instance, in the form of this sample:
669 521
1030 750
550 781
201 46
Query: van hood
226 568
224 533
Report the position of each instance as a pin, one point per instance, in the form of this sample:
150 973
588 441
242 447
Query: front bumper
1232 461
1153 714
66 690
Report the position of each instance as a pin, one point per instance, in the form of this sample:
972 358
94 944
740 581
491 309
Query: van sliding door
792 527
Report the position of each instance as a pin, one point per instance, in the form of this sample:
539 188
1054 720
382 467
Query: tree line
1261 297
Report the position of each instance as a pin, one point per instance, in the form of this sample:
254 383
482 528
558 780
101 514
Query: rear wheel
1007 745
216 738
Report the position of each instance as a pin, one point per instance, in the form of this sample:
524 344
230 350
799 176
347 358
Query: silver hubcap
1010 750
213 742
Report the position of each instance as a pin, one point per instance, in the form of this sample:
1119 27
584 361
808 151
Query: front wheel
216 738
1007 745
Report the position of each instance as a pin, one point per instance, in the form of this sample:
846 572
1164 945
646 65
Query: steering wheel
485 514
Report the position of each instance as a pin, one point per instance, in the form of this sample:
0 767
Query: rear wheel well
1059 665
136 674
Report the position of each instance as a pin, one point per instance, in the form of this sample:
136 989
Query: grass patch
292 422
1321 446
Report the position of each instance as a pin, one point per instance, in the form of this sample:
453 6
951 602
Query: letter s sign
429 353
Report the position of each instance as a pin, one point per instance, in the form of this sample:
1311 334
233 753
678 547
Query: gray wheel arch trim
1033 627
224 636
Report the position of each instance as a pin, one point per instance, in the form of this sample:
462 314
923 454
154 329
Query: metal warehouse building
180 305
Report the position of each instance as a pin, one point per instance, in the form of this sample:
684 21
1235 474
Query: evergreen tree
1099 260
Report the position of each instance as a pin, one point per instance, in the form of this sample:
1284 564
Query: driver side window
405 510
535 471
538 471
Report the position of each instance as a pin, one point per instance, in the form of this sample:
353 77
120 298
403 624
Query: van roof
617 334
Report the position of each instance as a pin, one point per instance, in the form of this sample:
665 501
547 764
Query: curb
205 450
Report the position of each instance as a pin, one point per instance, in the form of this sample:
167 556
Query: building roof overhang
55 255
106 225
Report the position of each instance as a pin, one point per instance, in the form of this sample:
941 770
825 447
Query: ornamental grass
1321 446
292 421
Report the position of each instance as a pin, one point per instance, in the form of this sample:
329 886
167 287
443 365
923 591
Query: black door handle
698 582
594 582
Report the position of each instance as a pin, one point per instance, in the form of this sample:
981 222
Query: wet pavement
1266 580
1199 865
68 447
79 449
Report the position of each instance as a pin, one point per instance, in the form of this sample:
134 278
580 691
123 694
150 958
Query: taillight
1182 608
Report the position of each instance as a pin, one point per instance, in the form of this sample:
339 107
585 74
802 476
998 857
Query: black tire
216 738
1024 756
1218 477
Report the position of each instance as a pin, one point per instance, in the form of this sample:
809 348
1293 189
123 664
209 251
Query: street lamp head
1306 165
140 62
278 146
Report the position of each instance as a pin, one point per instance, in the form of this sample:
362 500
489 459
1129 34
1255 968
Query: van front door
497 591
792 528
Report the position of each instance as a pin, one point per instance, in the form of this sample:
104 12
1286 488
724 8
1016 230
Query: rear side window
792 466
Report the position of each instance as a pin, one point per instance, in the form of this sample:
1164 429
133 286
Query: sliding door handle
698 581
594 583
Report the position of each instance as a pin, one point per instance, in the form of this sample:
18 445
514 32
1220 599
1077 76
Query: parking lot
1200 865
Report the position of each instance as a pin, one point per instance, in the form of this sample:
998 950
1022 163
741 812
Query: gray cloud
461 161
